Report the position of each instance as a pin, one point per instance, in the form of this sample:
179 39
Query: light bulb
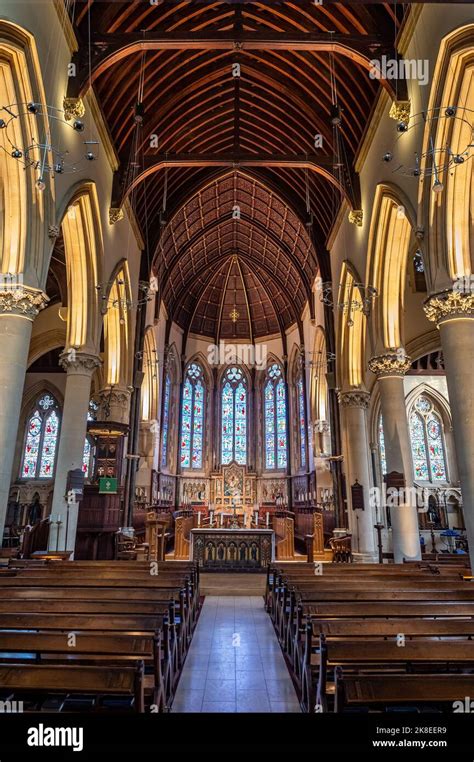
40 184
437 186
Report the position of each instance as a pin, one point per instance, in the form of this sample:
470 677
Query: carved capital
400 111
355 398
81 363
115 214
53 231
114 404
390 364
356 217
22 301
73 108
450 305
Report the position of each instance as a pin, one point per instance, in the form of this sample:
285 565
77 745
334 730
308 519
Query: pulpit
100 513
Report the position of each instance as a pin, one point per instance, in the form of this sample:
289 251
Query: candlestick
199 518
268 519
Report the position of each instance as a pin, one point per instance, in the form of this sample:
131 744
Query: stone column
19 306
453 312
79 367
390 369
355 404
114 404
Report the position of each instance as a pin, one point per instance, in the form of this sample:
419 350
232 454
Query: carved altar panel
233 482
270 489
229 550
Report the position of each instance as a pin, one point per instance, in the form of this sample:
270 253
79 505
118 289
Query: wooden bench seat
64 678
380 656
106 649
354 691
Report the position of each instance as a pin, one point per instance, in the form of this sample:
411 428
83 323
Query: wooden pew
355 691
65 678
106 600
106 649
387 656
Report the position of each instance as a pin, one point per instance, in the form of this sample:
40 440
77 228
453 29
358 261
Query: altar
217 549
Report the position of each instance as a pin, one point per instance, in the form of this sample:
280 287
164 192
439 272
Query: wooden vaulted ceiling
183 53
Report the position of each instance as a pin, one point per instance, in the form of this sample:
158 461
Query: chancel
236 331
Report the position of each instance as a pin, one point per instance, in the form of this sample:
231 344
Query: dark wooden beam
322 165
109 49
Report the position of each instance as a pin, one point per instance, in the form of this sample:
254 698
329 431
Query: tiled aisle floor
235 662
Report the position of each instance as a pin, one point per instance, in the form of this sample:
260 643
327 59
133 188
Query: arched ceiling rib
288 53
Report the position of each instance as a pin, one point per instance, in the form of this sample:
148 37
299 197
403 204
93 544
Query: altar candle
256 518
199 518
268 519
222 519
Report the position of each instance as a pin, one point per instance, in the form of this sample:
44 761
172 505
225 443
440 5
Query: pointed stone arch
118 328
448 217
390 240
26 211
84 252
351 330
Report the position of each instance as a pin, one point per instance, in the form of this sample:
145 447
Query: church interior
237 357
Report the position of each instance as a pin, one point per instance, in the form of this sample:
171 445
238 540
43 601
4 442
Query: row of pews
369 637
95 635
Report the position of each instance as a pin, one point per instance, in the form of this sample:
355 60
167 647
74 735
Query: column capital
80 363
394 363
22 301
354 398
451 304
114 404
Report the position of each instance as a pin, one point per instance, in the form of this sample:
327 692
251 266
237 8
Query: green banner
108 486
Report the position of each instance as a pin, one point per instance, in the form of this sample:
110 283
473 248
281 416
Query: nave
235 663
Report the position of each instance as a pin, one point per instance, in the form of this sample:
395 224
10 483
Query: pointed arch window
382 454
427 442
166 420
41 439
192 418
300 406
275 419
88 454
234 417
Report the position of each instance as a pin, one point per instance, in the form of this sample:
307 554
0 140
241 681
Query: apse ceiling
210 141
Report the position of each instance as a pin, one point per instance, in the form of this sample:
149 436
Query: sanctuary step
232 584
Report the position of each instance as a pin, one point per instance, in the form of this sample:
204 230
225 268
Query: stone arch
390 240
448 217
84 251
351 330
149 388
318 382
116 308
25 209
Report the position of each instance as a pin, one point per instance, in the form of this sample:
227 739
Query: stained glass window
301 419
383 457
234 417
166 417
192 418
42 432
86 459
275 419
427 445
